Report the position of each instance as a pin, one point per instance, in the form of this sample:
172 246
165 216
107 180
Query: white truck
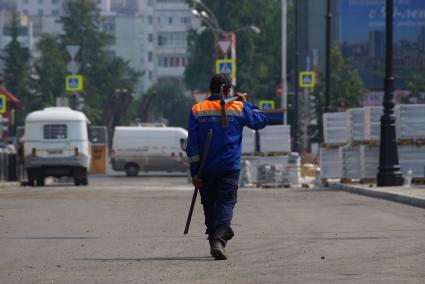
56 143
138 148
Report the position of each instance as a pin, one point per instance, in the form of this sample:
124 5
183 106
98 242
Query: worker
219 184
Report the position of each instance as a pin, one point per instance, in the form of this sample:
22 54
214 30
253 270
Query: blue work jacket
225 148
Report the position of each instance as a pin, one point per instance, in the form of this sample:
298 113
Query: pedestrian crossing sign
2 103
74 83
266 104
226 66
307 79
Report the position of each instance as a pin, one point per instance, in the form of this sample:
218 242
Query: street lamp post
328 57
207 16
389 169
296 72
284 71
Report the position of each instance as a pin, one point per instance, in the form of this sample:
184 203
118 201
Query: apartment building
150 34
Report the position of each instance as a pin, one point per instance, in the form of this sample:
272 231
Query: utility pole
389 169
328 57
284 54
296 74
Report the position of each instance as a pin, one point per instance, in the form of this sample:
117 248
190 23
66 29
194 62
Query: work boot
221 235
211 242
218 251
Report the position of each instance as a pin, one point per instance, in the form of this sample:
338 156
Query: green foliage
51 71
103 75
16 71
416 85
166 101
258 55
347 88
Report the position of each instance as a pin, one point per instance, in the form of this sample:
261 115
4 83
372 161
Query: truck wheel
77 181
31 177
132 170
85 181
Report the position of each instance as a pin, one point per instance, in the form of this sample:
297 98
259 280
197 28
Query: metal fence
8 165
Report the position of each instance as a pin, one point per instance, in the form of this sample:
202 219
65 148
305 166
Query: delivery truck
138 148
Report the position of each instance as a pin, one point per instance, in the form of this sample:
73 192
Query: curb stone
396 197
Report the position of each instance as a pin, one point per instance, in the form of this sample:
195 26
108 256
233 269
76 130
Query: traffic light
76 102
312 106
4 127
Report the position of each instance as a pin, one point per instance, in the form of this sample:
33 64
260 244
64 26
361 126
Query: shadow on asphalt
182 258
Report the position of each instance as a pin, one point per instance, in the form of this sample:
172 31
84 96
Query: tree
16 72
416 86
167 102
258 56
347 88
103 75
50 70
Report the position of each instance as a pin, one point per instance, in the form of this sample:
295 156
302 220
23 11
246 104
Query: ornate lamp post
389 169
328 57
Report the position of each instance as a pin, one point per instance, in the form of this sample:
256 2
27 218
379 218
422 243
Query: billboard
361 37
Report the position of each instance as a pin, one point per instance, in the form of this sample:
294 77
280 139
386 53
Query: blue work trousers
219 197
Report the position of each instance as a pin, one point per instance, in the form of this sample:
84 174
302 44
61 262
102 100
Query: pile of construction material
358 156
270 171
410 122
336 134
267 160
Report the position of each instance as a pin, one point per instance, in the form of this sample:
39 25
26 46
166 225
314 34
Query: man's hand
241 96
197 182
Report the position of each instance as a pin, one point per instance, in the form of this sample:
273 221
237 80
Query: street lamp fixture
205 14
256 29
195 12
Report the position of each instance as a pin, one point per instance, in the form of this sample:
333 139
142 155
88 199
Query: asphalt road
130 230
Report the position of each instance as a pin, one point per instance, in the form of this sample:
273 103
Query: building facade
150 34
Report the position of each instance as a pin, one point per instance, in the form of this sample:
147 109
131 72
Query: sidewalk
414 195
4 184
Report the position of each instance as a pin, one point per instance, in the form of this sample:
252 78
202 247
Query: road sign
199 96
307 79
72 50
2 103
74 83
224 45
73 66
226 66
267 105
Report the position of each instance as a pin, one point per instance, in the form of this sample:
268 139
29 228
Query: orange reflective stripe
215 105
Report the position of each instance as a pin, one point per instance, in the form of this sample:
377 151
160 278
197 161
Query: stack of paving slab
336 132
410 121
369 161
357 122
351 166
248 141
372 122
286 168
336 128
412 158
330 163
275 139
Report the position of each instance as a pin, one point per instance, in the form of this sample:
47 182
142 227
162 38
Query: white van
138 148
56 143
